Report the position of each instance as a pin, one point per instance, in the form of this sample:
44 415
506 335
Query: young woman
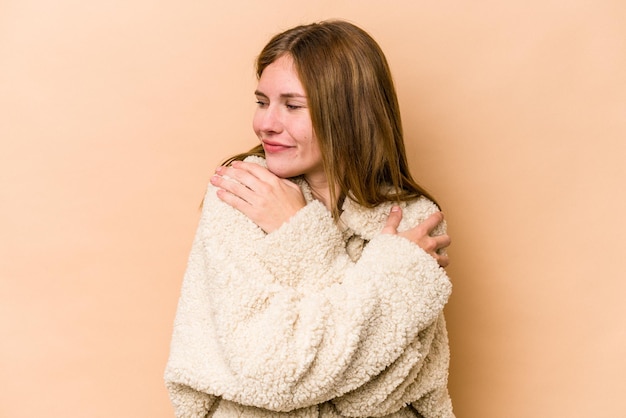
315 284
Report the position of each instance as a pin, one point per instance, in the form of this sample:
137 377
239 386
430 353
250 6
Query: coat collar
355 219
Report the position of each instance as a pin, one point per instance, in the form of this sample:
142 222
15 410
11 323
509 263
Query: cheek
314 149
255 122
305 131
317 151
315 145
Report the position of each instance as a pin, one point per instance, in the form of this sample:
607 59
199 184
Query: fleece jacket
320 317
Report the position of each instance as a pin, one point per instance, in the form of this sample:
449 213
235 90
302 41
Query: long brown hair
354 111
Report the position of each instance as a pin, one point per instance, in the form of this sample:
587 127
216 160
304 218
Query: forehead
281 75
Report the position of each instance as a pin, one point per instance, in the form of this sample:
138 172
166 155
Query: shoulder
368 222
256 159
304 186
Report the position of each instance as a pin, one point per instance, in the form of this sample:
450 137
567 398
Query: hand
268 200
420 235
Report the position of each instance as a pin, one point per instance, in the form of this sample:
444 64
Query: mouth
273 147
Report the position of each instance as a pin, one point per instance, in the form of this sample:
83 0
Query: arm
422 234
297 322
269 201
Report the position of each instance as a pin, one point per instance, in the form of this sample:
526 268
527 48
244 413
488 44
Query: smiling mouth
273 147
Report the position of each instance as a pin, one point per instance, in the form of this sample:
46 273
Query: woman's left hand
421 234
268 200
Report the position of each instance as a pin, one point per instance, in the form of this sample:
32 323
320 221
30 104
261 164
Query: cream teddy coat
318 318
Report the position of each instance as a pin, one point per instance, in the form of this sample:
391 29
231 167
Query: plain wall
113 116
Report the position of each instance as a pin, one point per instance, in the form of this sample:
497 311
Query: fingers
435 246
431 222
443 260
233 200
267 200
254 176
393 221
243 179
241 173
229 189
248 173
441 242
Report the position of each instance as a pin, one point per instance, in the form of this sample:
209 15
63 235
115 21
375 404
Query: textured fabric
318 318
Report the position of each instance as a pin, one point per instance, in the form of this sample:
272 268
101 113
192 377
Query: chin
281 170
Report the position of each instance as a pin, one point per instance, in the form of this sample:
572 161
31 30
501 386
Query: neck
321 191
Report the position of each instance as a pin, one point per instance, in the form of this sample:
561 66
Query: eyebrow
284 95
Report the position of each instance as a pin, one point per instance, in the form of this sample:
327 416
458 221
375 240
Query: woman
315 284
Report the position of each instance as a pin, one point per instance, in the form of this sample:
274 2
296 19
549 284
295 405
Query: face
283 124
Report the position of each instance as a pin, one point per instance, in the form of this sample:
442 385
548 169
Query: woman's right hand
434 245
266 199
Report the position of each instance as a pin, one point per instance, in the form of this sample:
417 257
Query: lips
273 147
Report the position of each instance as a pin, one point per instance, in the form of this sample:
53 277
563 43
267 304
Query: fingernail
395 208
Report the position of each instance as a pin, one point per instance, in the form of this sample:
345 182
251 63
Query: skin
283 125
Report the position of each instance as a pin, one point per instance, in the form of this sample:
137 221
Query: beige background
114 114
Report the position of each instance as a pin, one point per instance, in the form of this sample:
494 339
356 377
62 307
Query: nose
267 120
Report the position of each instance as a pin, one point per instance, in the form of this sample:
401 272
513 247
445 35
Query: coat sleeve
286 320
